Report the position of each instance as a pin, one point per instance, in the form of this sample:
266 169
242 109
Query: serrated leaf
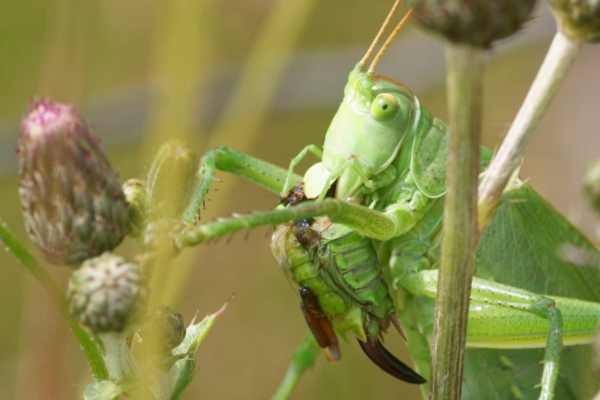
103 390
195 334
181 373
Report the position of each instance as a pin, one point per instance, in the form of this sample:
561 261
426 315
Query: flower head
105 293
73 204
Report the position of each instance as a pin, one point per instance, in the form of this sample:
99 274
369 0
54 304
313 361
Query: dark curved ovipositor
388 362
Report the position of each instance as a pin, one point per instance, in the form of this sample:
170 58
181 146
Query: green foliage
522 247
181 373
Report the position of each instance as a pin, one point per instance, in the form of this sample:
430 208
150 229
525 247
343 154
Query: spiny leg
425 283
264 174
304 358
289 179
367 222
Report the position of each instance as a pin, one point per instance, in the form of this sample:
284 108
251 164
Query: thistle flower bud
475 22
72 201
578 19
104 293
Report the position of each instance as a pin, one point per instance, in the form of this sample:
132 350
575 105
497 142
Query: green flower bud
104 293
136 196
578 19
475 22
72 201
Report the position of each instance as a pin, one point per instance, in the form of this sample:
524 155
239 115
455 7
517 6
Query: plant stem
90 347
465 74
304 358
116 355
554 69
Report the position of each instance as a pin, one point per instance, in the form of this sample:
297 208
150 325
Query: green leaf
103 390
181 373
195 334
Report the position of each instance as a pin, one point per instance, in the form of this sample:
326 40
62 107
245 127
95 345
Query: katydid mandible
381 176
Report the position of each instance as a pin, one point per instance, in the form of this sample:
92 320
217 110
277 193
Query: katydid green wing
524 247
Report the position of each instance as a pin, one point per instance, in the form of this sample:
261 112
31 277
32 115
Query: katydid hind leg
487 292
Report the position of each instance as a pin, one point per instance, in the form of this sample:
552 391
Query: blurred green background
263 76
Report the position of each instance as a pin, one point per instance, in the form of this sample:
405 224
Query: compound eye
384 106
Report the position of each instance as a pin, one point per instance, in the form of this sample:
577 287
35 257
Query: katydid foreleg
264 174
289 180
367 222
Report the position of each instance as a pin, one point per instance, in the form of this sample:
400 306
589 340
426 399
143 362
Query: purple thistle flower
72 200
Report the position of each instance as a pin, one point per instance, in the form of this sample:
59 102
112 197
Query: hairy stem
465 74
554 69
304 358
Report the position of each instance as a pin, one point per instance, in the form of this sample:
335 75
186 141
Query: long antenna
389 40
382 29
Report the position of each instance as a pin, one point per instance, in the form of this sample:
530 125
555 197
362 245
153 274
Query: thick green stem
554 69
304 358
465 73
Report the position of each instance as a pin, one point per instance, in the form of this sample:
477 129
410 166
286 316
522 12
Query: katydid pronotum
381 177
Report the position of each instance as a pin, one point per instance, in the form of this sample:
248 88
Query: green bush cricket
381 175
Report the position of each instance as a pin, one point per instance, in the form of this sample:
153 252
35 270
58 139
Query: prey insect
381 178
341 284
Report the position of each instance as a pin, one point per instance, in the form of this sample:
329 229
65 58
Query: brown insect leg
319 324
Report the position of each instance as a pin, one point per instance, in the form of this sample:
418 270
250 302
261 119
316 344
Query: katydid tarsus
381 175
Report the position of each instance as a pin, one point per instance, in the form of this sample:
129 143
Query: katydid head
368 130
